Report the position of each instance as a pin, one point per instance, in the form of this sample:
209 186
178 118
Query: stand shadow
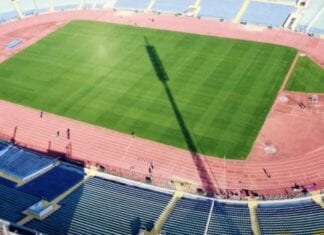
192 147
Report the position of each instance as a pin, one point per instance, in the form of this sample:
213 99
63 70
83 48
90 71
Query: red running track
296 134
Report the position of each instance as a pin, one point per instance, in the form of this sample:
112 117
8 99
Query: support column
242 11
17 8
165 214
52 5
81 4
253 204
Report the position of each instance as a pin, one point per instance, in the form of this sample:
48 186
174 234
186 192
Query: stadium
175 117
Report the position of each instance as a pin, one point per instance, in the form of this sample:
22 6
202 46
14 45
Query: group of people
312 99
68 131
301 105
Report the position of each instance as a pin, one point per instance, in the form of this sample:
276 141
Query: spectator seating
42 6
7 183
131 4
99 3
100 205
267 14
188 217
284 2
318 26
220 9
308 14
109 4
54 182
172 6
317 30
13 202
61 5
301 217
3 147
22 164
230 218
88 4
7 11
28 7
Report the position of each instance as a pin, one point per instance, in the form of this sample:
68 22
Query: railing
143 177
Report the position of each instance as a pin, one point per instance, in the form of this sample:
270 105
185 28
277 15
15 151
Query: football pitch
205 94
307 77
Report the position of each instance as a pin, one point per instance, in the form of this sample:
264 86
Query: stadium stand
318 26
62 5
267 14
13 229
24 165
42 6
3 147
188 217
99 4
109 4
7 183
284 2
131 5
220 9
171 6
7 11
13 202
101 205
92 4
88 4
28 7
300 217
230 218
53 183
308 14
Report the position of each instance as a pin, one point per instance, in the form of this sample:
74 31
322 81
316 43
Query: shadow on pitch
192 147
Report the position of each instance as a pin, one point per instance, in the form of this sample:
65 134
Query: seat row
257 12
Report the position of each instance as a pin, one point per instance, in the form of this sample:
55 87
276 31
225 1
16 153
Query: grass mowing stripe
306 77
102 74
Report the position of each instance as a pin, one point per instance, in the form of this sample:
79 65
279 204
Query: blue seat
7 11
307 15
131 4
42 6
267 14
188 217
230 218
28 7
302 217
13 202
20 163
3 147
318 26
61 5
172 6
100 206
54 182
220 9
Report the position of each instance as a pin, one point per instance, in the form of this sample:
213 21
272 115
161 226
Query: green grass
306 77
220 89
